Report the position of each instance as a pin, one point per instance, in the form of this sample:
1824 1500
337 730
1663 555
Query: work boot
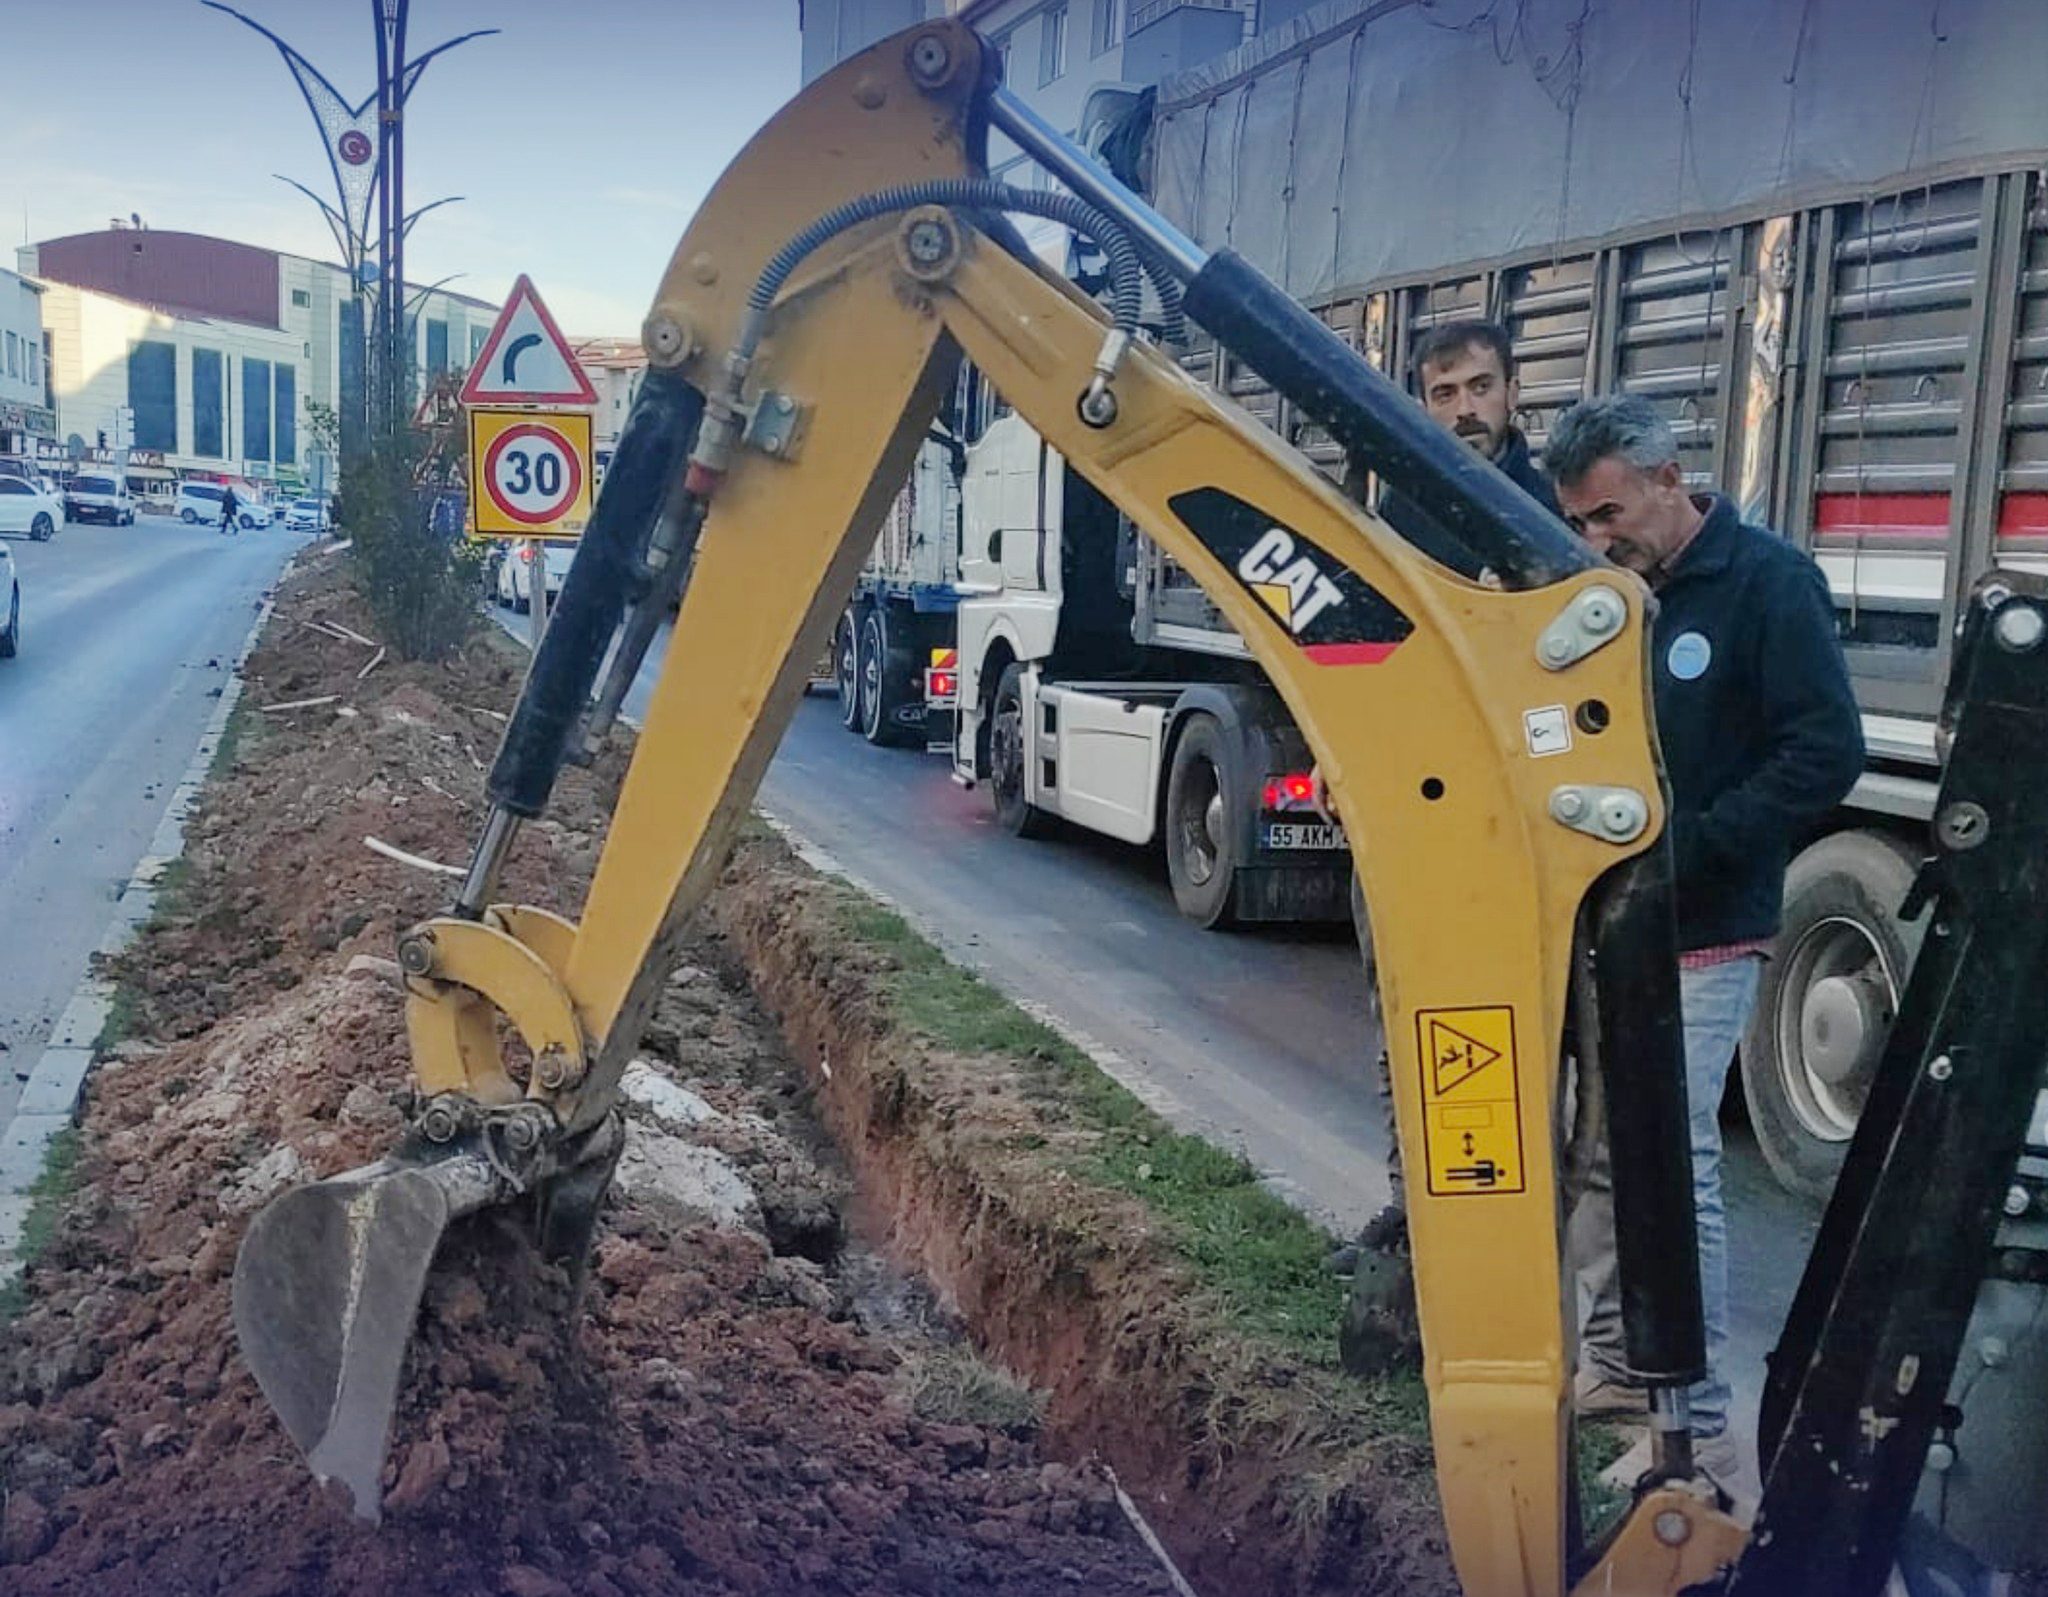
1597 1395
1380 1332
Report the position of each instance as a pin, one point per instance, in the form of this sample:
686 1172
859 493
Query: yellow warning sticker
1471 1101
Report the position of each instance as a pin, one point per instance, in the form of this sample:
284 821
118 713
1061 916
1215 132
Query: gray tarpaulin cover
1375 139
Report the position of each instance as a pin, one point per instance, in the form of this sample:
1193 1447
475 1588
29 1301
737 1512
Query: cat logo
1334 616
1287 581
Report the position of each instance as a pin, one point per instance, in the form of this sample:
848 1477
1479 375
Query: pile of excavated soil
746 1402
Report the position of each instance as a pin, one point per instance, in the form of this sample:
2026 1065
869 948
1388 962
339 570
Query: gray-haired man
1761 738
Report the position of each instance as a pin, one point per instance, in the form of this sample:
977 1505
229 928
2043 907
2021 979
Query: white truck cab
1073 706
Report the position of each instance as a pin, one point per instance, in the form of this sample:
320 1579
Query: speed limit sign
529 472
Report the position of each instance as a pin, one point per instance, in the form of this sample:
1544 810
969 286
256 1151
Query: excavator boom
1479 712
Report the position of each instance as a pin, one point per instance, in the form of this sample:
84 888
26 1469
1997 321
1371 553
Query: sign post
537 607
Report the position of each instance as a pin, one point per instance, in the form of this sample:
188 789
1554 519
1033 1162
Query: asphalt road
128 634
1259 1042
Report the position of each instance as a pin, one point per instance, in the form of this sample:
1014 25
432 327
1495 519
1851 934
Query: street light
405 227
346 135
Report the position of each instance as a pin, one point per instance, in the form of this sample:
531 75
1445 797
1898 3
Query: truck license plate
1302 834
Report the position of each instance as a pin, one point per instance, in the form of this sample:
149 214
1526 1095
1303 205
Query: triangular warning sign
526 360
1455 1058
438 405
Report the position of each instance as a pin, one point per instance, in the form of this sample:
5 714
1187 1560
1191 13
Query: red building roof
186 274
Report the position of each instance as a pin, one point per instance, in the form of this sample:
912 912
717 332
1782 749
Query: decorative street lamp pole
367 158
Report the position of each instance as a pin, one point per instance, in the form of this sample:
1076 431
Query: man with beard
1466 372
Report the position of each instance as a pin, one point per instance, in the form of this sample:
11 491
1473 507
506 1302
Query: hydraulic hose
986 194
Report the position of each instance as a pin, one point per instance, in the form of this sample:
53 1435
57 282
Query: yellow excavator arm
1489 743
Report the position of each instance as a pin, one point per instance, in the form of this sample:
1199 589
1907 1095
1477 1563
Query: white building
615 367
190 393
212 350
25 413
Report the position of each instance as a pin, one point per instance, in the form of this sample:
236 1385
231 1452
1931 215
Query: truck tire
1203 799
846 669
1826 1003
884 674
1008 741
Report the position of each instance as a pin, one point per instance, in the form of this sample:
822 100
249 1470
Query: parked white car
200 502
515 573
306 515
25 507
99 496
10 635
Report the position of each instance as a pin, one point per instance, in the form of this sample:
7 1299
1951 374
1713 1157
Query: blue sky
582 136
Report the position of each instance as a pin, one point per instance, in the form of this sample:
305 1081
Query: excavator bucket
326 1288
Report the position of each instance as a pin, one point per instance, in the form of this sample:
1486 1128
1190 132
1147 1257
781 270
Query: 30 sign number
533 474
525 475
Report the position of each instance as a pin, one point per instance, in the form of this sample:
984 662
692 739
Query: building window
1109 25
255 408
153 394
207 406
437 347
1052 45
1003 50
476 342
13 356
50 371
286 429
302 299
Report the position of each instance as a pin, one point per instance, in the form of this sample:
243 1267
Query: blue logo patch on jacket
1689 655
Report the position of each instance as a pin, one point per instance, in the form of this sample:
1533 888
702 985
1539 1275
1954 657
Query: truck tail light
1294 791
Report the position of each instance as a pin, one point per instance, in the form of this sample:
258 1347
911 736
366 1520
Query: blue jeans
1716 1004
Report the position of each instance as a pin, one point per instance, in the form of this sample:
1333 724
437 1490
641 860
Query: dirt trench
753 1399
1264 1472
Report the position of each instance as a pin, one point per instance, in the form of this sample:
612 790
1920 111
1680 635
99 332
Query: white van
99 496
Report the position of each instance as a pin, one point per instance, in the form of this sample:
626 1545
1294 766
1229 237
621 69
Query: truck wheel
1203 805
881 682
1826 1004
846 671
1008 740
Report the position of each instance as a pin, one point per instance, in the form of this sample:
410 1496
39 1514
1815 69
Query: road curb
55 1088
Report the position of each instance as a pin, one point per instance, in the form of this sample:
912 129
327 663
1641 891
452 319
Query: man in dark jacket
1466 374
1761 739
